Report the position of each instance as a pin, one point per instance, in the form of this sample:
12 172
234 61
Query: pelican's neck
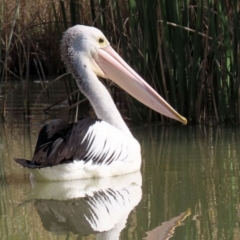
98 96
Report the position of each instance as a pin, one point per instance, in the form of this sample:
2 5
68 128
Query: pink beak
116 69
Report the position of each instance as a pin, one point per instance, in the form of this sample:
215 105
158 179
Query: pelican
94 148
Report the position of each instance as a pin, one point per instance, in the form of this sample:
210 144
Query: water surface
188 188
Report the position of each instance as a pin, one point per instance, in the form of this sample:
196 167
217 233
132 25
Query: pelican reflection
87 206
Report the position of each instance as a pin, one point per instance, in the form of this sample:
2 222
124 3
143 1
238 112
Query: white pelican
100 147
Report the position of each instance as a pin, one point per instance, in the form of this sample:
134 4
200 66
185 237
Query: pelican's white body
104 141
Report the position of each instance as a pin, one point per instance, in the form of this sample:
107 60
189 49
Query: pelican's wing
87 140
50 132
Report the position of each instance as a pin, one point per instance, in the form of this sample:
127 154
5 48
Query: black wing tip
25 163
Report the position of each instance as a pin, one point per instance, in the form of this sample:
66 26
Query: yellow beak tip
184 120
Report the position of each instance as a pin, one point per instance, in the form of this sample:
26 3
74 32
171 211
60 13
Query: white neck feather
98 96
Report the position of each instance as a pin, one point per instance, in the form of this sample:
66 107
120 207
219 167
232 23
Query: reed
187 50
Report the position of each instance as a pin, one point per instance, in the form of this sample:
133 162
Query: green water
190 189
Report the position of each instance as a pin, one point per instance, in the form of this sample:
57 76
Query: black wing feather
57 144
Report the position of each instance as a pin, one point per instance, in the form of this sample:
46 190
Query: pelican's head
83 41
89 43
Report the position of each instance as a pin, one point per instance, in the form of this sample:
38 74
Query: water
188 188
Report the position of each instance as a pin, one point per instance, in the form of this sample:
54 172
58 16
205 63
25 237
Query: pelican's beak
111 65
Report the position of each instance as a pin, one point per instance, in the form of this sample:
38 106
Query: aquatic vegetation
188 50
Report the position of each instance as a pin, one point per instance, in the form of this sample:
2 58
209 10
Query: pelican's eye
101 40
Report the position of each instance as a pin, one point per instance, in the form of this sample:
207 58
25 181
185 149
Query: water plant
188 50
